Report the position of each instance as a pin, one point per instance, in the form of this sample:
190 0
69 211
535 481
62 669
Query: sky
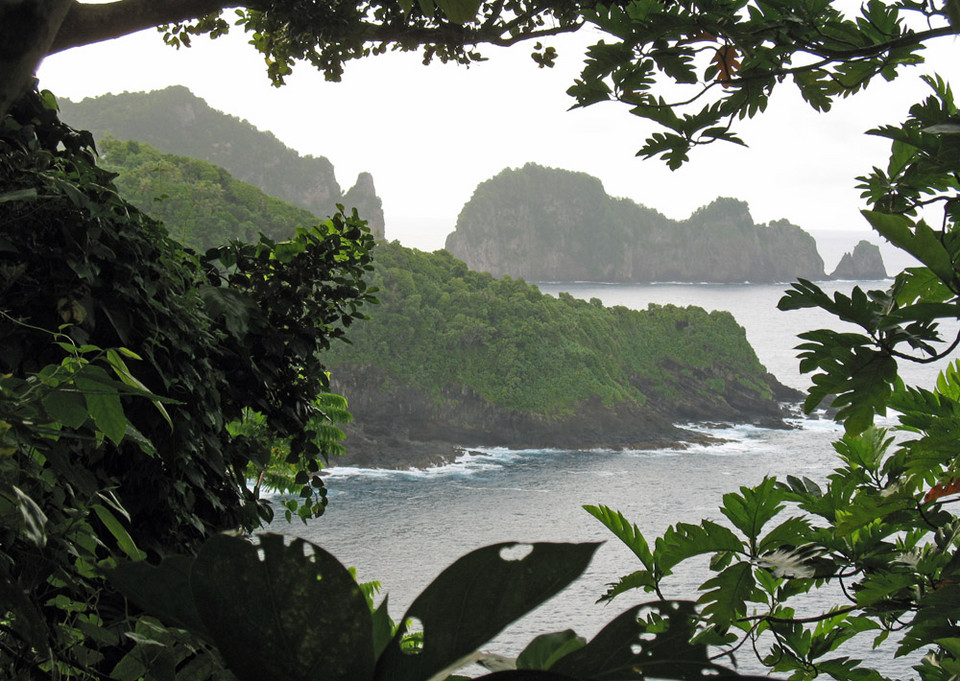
430 134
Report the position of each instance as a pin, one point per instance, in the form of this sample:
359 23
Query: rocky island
864 262
545 224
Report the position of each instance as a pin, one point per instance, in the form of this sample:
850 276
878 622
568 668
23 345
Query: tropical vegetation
878 538
201 205
440 324
124 356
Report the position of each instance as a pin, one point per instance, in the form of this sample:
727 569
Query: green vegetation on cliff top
440 324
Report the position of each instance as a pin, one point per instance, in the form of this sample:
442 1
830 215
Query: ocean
403 527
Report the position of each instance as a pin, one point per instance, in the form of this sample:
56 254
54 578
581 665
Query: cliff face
363 197
544 224
175 121
865 262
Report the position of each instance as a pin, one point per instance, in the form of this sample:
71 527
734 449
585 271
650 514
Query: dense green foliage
201 204
441 324
328 36
546 224
105 320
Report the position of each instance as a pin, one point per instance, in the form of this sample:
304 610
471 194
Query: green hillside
441 324
200 203
458 357
176 121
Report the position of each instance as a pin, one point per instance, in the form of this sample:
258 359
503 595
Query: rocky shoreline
401 427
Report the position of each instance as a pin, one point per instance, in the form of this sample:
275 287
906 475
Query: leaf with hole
475 598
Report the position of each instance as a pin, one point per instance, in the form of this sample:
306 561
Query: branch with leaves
725 60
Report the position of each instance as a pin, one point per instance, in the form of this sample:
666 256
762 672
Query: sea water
403 527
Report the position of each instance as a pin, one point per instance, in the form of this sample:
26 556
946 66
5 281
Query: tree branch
86 24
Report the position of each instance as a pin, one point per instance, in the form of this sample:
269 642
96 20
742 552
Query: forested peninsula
453 357
456 357
545 224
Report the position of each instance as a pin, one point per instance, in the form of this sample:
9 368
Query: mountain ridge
175 121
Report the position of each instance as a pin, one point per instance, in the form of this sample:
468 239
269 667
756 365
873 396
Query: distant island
863 262
545 224
453 357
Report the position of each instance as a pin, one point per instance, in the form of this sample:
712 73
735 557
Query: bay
403 527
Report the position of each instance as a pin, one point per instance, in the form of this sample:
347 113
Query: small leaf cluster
902 323
721 61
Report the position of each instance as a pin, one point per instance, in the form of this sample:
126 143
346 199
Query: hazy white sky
429 135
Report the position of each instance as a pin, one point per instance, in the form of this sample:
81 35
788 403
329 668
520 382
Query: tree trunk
27 30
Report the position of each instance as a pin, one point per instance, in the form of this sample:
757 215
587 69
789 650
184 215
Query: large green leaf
683 541
278 611
543 651
917 239
67 407
727 593
163 591
475 598
103 402
752 508
631 648
119 532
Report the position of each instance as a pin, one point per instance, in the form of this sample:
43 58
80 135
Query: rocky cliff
545 224
401 425
175 121
363 197
864 262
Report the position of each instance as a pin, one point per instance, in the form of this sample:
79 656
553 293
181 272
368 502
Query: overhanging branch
86 24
